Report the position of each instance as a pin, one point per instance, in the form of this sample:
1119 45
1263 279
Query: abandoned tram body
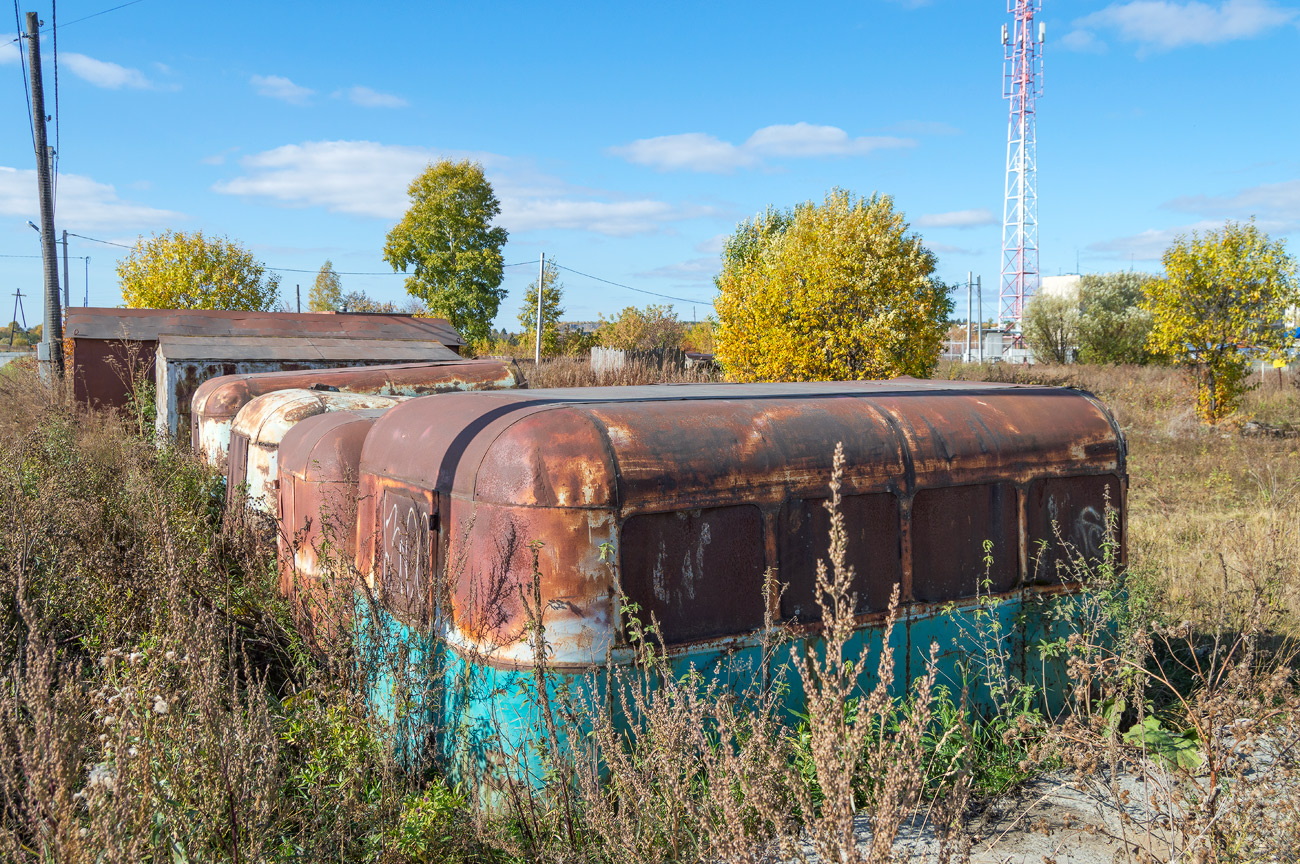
682 498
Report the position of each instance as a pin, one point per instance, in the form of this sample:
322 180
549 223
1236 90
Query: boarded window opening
236 465
1077 506
406 565
698 572
949 527
874 551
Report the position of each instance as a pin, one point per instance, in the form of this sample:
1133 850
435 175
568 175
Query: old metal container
112 347
184 362
681 498
318 466
216 401
261 425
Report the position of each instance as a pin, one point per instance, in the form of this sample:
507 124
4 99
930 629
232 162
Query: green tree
1113 326
1051 327
837 290
327 294
447 239
1221 303
552 294
175 270
359 301
645 329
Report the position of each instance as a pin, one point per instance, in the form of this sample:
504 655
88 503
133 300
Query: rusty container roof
674 446
327 448
146 325
237 349
222 397
269 417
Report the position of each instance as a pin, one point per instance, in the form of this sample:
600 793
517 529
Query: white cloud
696 271
1270 201
104 74
219 158
689 151
9 53
1083 42
82 203
958 219
367 98
714 245
279 87
945 249
701 152
366 178
1164 24
1148 245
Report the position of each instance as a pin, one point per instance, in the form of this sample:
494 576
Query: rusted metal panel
107 342
950 526
216 401
149 324
573 469
1066 524
262 424
873 550
317 468
182 363
675 565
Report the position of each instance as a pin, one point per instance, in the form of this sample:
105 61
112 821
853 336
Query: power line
58 147
87 17
22 61
368 273
97 240
638 290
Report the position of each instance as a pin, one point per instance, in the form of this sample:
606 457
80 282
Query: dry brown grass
577 372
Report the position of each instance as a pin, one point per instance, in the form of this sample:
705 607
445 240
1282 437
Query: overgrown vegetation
158 703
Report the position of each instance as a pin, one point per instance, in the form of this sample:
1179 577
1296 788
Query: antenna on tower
1022 73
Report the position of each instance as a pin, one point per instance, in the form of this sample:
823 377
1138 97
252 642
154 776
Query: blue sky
625 140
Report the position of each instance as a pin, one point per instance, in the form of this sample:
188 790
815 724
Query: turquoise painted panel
484 725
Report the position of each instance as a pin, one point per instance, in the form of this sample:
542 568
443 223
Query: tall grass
158 702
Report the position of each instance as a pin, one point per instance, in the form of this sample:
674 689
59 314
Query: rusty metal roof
224 396
304 348
148 324
327 447
679 445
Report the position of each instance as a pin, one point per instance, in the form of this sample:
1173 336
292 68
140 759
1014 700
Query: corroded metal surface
261 425
182 363
603 478
216 401
108 344
317 469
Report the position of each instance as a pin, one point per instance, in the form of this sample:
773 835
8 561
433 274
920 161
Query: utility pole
979 292
18 309
52 333
66 301
970 330
541 288
85 302
297 289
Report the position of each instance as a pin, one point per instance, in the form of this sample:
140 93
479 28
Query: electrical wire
58 148
22 61
400 273
97 240
638 290
88 17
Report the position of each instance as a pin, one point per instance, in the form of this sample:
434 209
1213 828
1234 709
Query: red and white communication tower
1022 74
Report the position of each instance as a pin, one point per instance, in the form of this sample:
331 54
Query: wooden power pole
541 287
52 334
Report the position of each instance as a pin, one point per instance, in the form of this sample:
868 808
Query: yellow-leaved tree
834 291
1222 302
175 270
